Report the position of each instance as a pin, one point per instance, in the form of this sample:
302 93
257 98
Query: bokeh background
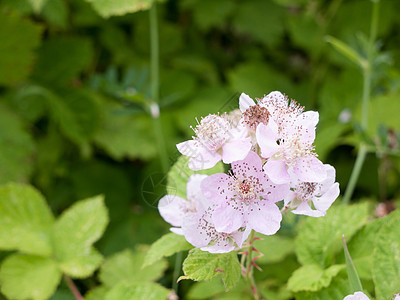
75 93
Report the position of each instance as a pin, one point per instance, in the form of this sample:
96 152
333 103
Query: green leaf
16 148
338 289
122 135
179 174
202 265
62 59
107 8
256 79
319 246
210 13
29 277
98 293
19 38
77 114
274 248
167 245
383 111
347 51
354 280
135 291
362 249
25 220
38 5
250 17
312 278
74 233
386 259
127 265
82 266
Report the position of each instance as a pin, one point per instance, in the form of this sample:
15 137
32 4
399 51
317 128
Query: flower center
306 190
245 190
255 115
293 148
212 131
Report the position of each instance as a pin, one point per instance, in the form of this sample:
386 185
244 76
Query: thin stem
177 270
73 288
367 77
155 87
249 268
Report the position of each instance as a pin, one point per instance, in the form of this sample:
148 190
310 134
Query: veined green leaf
29 277
127 266
108 8
386 259
167 245
75 232
312 278
202 265
319 246
25 220
135 291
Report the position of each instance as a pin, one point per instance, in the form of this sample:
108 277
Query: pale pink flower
321 195
175 209
199 230
216 138
291 147
245 198
356 296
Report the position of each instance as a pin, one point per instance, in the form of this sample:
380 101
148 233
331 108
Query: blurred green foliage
75 102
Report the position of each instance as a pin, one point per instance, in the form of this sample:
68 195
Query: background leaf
29 277
133 291
19 39
26 220
319 246
386 259
167 245
75 232
127 266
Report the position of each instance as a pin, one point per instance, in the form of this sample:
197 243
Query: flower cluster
269 146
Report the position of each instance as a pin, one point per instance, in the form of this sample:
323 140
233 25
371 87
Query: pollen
255 115
212 131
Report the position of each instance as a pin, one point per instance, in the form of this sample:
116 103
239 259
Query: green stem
249 268
177 270
155 87
367 77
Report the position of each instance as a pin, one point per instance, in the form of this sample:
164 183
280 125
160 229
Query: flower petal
325 201
194 233
305 209
250 166
215 188
264 218
266 136
205 159
245 102
194 193
277 171
309 169
227 219
235 150
172 209
189 148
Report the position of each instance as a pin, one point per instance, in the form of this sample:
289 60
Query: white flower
357 296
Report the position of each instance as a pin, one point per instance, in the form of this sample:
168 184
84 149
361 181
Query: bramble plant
269 145
96 102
